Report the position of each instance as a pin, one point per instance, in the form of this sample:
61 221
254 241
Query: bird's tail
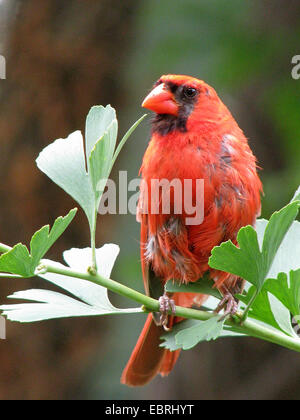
147 358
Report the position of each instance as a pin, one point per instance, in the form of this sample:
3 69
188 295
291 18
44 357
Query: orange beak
161 101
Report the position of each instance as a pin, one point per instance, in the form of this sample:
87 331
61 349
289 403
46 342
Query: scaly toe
229 303
166 304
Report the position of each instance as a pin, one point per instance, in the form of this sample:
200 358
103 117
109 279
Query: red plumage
194 136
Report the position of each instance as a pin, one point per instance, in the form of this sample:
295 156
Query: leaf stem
250 303
93 241
124 139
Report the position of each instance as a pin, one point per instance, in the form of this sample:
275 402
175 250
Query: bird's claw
229 303
166 304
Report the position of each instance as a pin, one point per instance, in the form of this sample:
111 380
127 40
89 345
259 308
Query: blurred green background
64 57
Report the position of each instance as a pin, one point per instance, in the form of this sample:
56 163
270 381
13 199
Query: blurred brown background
64 57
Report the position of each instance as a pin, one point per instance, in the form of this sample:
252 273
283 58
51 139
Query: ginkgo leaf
100 162
52 305
248 260
99 120
44 238
93 298
286 288
267 309
204 331
296 196
288 254
187 334
19 261
279 224
63 161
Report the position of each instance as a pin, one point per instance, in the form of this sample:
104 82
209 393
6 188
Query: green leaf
288 255
296 196
202 331
90 298
287 290
42 240
260 309
205 286
169 338
268 310
282 316
63 161
248 261
99 120
102 156
101 137
100 161
50 305
245 261
19 261
276 229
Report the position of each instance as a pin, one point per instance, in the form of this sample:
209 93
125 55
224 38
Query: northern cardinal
194 136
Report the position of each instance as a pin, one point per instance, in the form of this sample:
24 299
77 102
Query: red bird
194 137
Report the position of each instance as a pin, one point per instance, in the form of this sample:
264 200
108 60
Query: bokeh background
64 57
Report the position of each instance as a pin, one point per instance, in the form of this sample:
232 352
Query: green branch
248 327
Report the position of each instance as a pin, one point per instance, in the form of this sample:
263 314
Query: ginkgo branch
248 327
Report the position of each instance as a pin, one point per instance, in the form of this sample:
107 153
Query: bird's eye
189 92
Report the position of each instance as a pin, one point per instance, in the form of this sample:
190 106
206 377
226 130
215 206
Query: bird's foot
166 304
229 303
